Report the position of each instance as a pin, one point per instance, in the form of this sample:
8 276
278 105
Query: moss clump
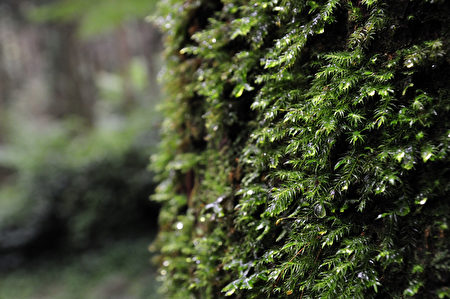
305 149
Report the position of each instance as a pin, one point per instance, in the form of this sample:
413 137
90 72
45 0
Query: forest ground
121 269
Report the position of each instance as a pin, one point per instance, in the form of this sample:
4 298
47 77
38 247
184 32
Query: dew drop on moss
409 63
319 211
363 276
320 30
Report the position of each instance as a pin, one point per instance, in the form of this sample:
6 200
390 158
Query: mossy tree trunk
305 149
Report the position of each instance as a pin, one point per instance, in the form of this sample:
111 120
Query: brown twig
282 271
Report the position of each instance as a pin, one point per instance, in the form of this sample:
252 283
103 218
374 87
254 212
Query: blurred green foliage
94 17
305 149
115 271
80 185
111 87
93 186
68 191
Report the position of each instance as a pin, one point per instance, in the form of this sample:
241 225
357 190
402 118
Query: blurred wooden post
72 83
4 87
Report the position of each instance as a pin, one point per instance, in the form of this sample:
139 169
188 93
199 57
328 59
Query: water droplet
179 225
319 211
363 276
426 155
320 30
409 63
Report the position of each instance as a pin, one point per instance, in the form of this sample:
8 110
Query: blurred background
77 125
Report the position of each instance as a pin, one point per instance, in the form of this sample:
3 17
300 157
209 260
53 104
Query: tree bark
72 84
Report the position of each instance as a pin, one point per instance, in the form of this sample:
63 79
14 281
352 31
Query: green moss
305 149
